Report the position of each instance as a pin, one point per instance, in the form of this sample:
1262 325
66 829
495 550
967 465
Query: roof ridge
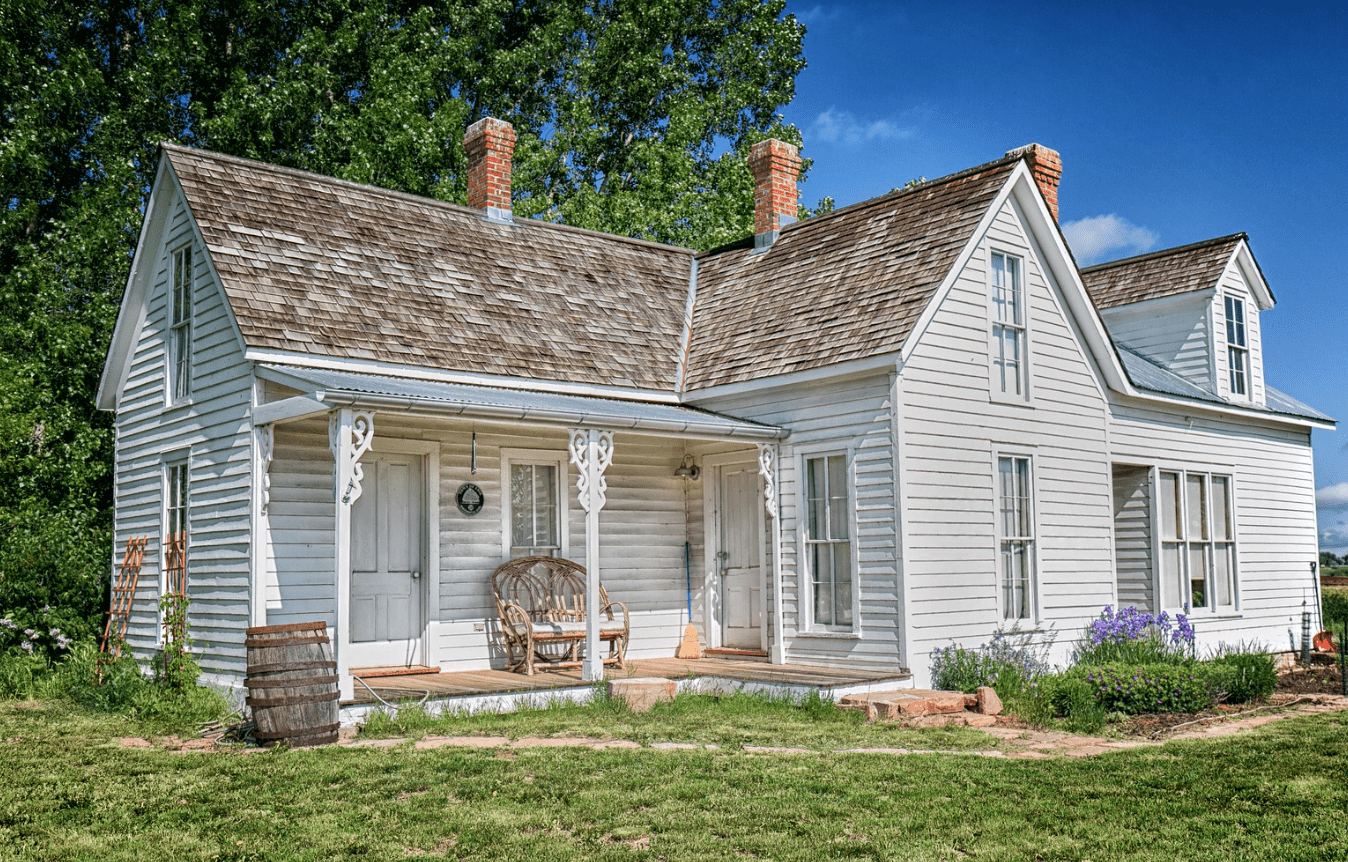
1193 246
877 201
458 209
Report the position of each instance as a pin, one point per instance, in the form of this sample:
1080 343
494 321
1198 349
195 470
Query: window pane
821 562
837 493
1023 528
521 505
545 506
1198 576
1197 509
816 488
1222 585
1171 525
1014 292
1172 577
1221 509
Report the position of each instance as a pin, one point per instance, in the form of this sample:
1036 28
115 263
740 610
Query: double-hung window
180 326
1198 550
1008 325
1237 351
827 543
1015 527
535 526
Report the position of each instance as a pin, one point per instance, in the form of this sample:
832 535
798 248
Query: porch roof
379 392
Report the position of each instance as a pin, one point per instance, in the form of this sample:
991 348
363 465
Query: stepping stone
642 693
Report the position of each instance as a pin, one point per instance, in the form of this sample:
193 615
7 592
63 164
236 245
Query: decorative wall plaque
470 499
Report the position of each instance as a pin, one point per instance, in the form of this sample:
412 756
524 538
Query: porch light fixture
687 469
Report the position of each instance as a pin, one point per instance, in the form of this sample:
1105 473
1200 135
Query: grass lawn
71 792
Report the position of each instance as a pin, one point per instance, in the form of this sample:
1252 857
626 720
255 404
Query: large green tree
633 116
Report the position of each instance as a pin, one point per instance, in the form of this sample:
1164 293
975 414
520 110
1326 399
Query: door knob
416 575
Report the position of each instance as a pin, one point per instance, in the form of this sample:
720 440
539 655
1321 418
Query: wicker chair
540 602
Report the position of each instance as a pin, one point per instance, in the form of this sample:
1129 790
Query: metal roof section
1149 376
378 392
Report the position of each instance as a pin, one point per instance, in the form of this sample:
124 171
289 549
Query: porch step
392 670
920 707
726 652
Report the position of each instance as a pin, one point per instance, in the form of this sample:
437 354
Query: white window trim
805 577
169 460
171 397
995 390
1036 619
1233 610
550 457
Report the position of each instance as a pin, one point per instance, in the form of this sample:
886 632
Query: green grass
71 792
727 721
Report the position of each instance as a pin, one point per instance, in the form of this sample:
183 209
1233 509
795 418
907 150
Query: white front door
739 557
387 559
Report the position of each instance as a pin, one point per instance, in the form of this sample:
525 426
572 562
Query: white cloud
842 127
1332 496
818 14
1095 237
1334 538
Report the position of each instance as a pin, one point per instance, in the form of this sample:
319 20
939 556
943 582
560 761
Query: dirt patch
1316 679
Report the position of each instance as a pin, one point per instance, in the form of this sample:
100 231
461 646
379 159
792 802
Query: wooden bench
540 602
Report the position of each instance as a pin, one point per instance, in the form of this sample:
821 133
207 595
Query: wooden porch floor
487 682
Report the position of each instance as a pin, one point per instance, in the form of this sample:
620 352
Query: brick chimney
776 167
1046 167
490 144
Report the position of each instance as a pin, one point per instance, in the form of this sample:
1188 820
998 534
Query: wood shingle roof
1170 272
843 286
322 266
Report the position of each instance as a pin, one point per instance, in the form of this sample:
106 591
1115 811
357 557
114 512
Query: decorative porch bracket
350 433
591 452
768 468
266 444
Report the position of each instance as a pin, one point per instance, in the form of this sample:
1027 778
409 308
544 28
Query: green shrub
1010 662
1253 673
1334 613
1134 689
1075 699
1133 636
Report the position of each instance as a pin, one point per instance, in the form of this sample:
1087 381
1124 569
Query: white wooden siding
839 415
214 428
952 429
1274 488
1133 548
1175 332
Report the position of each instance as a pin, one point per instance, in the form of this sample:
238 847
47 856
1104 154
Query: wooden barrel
292 684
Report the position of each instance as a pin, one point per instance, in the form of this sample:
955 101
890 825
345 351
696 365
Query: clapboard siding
1175 332
952 428
1274 488
846 416
1133 537
213 432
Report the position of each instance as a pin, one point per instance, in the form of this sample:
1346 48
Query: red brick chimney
490 144
776 167
1046 167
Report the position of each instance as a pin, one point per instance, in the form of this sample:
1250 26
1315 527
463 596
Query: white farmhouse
913 420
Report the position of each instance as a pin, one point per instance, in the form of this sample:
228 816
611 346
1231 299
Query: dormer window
1237 351
180 326
1008 326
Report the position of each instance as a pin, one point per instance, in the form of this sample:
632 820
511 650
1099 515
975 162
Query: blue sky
1176 122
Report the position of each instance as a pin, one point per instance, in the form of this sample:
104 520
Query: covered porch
386 503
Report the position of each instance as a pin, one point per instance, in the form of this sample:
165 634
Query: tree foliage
633 116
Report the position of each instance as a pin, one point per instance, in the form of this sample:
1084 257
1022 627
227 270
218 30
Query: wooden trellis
175 584
123 594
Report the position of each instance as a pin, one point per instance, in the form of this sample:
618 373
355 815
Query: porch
503 691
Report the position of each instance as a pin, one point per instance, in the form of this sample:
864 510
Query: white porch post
264 437
591 452
350 434
768 468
